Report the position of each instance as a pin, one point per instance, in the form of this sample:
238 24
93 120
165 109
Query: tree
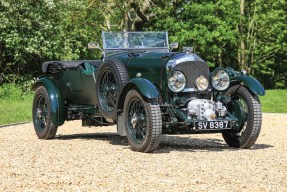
249 35
266 42
28 35
208 27
126 15
33 31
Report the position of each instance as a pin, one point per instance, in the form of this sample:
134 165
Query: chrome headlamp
220 80
176 81
201 83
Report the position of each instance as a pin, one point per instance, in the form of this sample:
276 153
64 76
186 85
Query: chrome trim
189 90
182 57
194 90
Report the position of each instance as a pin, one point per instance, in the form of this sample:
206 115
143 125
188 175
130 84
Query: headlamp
220 80
176 81
201 83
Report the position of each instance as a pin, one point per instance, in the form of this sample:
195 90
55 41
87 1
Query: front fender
145 88
56 99
254 85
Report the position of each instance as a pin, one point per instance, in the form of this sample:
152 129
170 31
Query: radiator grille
192 70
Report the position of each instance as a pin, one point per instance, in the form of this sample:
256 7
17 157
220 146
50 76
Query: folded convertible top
68 64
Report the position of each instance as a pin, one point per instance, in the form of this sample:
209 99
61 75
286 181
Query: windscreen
135 40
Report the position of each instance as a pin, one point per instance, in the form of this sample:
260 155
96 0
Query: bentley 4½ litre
147 90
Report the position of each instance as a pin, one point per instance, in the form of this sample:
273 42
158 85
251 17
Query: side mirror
188 50
94 45
174 45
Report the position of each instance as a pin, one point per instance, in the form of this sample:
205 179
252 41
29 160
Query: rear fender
147 90
252 84
56 99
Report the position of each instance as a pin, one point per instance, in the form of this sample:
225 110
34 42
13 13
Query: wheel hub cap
39 113
134 120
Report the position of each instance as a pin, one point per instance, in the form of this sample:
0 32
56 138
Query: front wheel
143 123
246 108
44 127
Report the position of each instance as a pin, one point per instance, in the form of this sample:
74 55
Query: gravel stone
96 159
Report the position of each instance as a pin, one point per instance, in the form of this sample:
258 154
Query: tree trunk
242 59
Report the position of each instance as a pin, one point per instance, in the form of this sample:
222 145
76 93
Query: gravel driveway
96 159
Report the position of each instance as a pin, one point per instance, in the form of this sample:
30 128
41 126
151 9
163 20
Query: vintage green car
147 90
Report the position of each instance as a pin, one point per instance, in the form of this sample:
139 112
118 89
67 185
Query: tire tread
50 130
254 121
154 127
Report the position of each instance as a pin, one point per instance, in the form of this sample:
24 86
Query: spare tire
110 80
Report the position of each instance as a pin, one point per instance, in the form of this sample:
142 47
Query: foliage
248 35
27 36
11 91
33 31
208 27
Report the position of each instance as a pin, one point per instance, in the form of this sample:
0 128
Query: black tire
41 110
249 130
143 123
110 80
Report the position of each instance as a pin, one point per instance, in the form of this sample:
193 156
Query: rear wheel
247 108
43 125
111 78
143 122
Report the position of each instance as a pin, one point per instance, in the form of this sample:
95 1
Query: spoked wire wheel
244 110
41 111
110 80
108 91
246 107
137 121
143 122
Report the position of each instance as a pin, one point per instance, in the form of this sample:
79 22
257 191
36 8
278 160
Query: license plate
212 125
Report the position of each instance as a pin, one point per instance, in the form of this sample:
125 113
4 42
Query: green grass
16 106
274 101
15 103
12 111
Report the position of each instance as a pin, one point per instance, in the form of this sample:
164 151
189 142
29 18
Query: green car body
87 90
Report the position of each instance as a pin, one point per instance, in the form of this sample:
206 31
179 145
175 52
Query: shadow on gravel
174 143
168 143
261 146
112 138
